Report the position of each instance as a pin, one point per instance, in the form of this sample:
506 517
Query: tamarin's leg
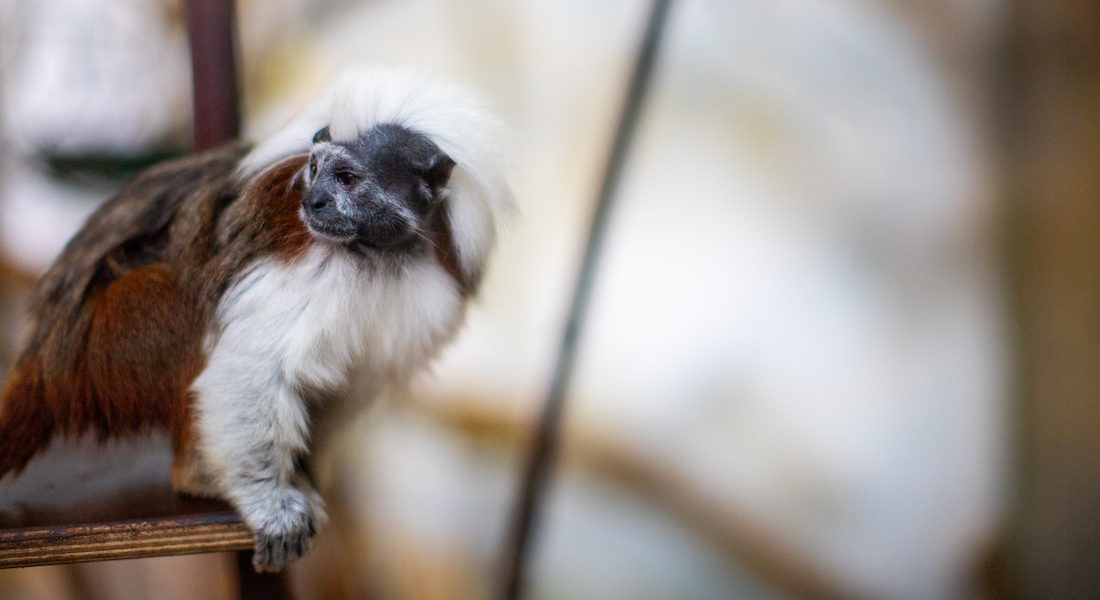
252 425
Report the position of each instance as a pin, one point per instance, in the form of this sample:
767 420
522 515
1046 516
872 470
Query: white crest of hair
453 117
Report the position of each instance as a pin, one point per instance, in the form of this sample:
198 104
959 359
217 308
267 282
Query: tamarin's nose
317 202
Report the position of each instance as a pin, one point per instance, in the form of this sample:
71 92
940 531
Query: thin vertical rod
544 449
211 28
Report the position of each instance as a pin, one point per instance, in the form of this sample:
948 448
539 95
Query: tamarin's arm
255 423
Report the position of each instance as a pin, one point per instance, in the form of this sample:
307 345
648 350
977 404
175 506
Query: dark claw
286 541
273 552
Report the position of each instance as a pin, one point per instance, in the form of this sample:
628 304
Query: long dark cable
544 449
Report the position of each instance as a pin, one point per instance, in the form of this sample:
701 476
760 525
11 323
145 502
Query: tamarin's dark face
379 192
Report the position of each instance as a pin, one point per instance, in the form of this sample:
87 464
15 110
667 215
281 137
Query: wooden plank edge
85 544
124 539
134 527
243 542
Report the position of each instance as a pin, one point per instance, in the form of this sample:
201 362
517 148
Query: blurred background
845 340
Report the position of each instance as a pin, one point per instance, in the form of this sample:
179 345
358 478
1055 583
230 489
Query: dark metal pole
545 446
211 28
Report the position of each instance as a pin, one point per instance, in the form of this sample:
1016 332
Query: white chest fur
314 319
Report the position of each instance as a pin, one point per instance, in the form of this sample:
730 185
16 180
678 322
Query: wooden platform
81 502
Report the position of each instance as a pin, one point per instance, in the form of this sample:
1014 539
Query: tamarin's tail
26 422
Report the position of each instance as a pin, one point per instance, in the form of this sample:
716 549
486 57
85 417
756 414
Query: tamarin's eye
312 170
346 178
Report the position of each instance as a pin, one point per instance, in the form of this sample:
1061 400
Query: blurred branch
14 277
734 532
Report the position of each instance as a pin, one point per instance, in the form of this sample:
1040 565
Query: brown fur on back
120 318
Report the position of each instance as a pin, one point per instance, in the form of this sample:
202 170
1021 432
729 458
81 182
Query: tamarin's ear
322 135
439 171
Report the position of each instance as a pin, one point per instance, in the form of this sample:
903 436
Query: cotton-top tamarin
233 298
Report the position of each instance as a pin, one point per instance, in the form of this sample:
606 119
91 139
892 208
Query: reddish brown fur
281 202
29 425
146 317
122 315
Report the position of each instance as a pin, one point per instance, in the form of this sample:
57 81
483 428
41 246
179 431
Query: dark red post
217 118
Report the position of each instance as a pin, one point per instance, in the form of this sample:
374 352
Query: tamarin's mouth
341 231
344 233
